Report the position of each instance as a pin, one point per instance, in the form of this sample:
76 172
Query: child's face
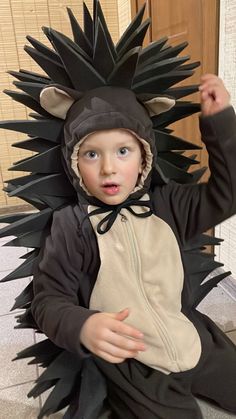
110 163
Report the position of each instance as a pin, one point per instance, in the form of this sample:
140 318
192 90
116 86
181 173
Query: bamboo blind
18 19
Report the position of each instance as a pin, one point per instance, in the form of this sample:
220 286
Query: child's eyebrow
120 143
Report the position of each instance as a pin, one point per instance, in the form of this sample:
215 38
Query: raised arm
196 208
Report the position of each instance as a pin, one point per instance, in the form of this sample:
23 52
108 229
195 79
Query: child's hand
108 337
214 96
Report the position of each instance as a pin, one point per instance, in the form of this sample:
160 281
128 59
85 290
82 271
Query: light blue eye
91 154
123 151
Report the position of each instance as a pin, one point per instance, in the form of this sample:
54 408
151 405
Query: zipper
136 264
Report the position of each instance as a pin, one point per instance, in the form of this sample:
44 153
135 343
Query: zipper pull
123 218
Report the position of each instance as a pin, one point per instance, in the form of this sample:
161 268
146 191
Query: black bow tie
113 210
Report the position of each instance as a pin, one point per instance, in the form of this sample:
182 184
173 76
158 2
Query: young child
118 277
109 285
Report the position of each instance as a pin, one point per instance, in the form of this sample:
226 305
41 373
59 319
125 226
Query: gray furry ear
57 101
159 104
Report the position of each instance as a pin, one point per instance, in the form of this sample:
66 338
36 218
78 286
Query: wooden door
195 21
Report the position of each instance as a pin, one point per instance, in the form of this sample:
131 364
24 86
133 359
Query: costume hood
107 108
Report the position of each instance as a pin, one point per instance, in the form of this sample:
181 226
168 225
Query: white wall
227 71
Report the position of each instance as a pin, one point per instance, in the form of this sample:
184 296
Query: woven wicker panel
22 17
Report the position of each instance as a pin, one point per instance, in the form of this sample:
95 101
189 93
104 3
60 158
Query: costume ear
56 101
159 105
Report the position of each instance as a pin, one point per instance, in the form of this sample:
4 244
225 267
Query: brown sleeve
196 208
57 279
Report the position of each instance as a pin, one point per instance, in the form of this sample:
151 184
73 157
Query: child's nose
108 166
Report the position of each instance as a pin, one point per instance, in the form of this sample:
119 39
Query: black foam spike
88 24
173 172
190 66
168 52
68 41
23 271
26 321
47 162
27 76
201 262
32 89
123 72
136 39
11 218
197 174
55 202
32 222
167 142
44 49
27 255
100 17
160 68
61 367
202 241
31 240
82 75
207 287
133 26
55 70
25 297
49 129
40 388
42 352
181 161
23 180
80 37
151 51
159 84
36 144
37 116
67 366
183 91
27 101
55 184
179 111
102 48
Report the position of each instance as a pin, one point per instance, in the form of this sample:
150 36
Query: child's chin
113 200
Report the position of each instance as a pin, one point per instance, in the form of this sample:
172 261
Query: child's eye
123 151
91 154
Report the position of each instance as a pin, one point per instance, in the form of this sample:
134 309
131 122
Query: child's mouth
111 189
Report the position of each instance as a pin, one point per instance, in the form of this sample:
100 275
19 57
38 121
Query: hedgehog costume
82 258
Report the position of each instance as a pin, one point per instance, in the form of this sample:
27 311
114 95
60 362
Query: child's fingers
123 328
126 330
122 315
115 351
125 342
109 358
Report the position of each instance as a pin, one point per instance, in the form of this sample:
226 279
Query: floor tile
212 412
11 342
15 405
9 291
10 256
232 336
221 308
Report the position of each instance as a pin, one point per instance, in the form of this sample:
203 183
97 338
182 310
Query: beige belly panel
141 268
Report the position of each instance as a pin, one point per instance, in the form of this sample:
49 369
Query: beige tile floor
16 378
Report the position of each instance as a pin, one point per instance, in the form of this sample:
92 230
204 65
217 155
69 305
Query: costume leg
215 377
137 391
